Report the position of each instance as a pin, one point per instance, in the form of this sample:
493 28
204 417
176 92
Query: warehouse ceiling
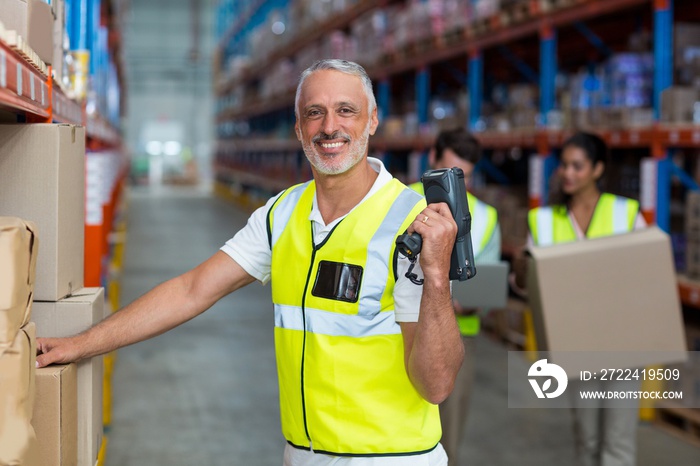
167 53
168 42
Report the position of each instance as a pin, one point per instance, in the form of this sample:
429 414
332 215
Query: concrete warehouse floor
206 393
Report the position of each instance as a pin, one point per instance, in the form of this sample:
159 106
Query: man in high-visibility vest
364 355
458 148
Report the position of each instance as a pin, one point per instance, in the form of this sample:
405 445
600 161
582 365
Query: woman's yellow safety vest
344 389
612 215
484 222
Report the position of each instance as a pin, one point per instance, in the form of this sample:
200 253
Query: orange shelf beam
22 87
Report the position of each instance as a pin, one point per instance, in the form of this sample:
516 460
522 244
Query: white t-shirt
251 250
295 457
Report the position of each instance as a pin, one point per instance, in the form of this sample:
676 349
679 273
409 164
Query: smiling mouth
331 145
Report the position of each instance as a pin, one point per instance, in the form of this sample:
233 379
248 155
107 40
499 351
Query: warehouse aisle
206 393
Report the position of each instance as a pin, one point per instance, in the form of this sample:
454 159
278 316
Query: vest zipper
314 249
303 345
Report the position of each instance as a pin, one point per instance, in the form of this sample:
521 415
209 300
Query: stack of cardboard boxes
680 103
42 180
18 252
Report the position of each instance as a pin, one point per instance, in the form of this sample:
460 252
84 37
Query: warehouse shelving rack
538 18
28 91
24 90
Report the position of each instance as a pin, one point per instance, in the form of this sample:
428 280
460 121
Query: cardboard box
17 385
40 18
629 117
42 179
13 15
613 294
686 42
677 104
18 253
68 317
692 259
55 418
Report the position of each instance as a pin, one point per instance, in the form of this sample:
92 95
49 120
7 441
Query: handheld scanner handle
447 185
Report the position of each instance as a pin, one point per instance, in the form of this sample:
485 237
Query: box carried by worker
613 294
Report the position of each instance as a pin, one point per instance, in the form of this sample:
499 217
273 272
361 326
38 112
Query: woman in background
604 437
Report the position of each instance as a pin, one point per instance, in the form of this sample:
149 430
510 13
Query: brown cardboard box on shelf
677 104
13 15
18 253
692 259
629 117
17 386
68 317
55 418
613 294
40 18
686 42
42 179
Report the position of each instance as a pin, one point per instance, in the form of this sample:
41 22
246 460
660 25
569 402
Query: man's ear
297 131
373 122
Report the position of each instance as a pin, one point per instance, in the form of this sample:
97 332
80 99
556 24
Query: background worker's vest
484 222
612 215
344 389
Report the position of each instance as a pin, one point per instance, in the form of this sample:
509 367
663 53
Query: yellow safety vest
612 215
482 232
344 389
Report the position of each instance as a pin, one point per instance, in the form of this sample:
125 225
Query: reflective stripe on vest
620 220
339 325
344 389
612 215
545 226
484 221
377 268
478 210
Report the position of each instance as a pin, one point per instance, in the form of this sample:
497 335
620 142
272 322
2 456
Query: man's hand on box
56 351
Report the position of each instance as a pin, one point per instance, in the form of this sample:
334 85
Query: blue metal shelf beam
548 72
663 50
422 96
383 99
687 180
663 194
593 38
524 69
475 84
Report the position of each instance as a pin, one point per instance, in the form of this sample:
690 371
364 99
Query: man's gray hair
342 66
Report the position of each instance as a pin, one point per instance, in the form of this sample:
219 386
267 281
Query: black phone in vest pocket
338 281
